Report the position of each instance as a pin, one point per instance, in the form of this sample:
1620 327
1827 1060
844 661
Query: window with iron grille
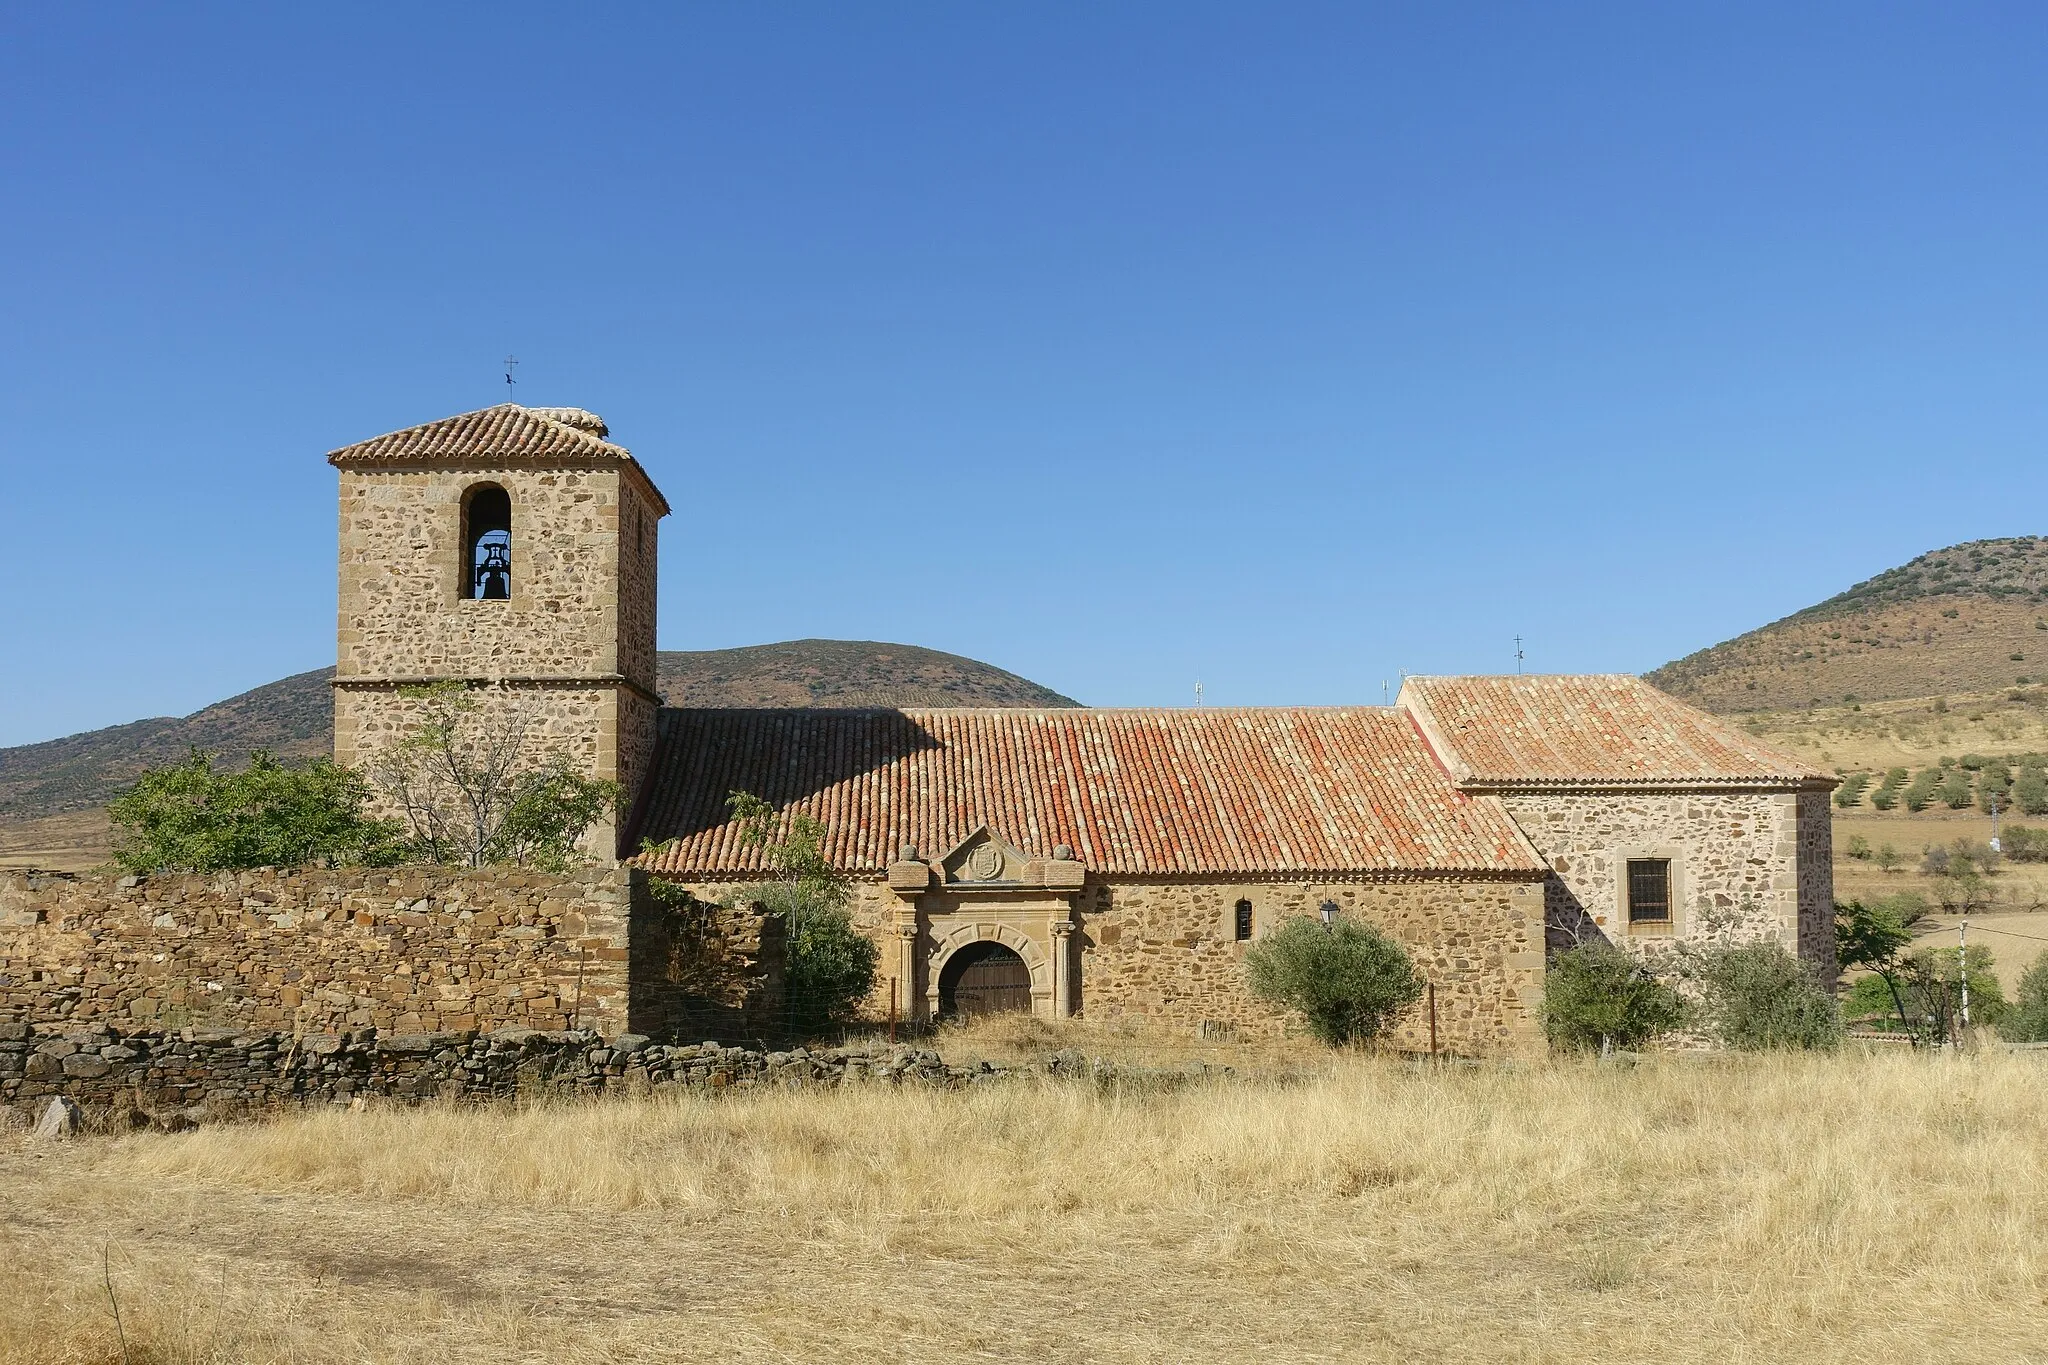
1649 891
1244 920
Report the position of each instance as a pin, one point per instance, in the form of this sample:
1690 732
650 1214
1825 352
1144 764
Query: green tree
2026 1021
1955 788
1920 792
830 965
1887 794
1850 793
192 817
2025 844
1933 989
1872 937
1994 787
1347 980
1887 857
476 789
1761 998
2030 792
1596 997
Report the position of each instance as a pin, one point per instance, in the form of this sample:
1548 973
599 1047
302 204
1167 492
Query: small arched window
1244 920
487 543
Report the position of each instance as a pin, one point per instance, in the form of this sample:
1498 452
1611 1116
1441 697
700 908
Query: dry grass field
1725 1210
72 842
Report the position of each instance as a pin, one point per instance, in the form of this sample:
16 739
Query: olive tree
1347 979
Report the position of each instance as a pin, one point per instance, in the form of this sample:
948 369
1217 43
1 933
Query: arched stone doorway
984 978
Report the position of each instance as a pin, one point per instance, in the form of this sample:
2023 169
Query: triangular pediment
983 858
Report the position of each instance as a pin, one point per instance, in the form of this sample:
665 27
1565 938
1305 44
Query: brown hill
1971 618
294 717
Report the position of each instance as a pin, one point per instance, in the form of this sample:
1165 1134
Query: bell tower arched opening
487 542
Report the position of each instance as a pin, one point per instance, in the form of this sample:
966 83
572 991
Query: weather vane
510 361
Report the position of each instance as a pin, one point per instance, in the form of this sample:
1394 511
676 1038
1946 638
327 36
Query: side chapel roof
1284 790
1589 731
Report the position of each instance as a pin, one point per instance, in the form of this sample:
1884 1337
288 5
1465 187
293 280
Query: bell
494 575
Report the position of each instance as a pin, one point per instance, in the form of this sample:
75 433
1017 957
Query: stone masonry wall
123 1078
401 609
639 526
408 950
1167 952
1739 871
1816 843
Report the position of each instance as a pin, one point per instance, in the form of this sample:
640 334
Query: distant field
1857 1208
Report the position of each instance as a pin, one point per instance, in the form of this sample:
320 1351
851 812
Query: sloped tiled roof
507 431
1599 730
507 434
1142 792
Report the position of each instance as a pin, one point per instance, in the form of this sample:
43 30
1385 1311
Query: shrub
1887 794
2030 792
2026 1021
1887 857
1596 997
1994 787
1933 980
1859 848
1850 793
1919 793
1955 789
1761 998
829 965
2025 844
1346 980
191 818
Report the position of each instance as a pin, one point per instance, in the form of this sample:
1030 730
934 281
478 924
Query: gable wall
1746 866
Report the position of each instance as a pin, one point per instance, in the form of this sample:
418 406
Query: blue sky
1284 347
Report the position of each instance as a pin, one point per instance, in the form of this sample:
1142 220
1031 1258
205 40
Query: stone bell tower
512 549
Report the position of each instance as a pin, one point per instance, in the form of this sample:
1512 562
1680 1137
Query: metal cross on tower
1518 654
510 361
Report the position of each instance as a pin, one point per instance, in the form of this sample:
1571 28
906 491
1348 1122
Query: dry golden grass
1729 1210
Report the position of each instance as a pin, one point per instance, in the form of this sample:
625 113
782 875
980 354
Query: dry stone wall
408 950
175 1078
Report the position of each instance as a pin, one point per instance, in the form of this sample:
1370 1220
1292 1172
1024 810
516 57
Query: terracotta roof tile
507 430
1588 731
507 433
1135 793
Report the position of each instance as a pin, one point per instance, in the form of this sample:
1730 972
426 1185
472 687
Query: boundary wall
407 950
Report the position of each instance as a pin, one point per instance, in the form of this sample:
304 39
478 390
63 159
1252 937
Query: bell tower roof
507 434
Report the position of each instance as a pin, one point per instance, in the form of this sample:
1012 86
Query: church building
1074 861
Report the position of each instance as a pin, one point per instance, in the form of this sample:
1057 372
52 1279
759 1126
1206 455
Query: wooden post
894 983
1432 1021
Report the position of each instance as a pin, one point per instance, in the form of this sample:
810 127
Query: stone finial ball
907 854
1063 852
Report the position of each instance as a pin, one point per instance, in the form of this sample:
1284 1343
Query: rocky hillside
1971 618
294 717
